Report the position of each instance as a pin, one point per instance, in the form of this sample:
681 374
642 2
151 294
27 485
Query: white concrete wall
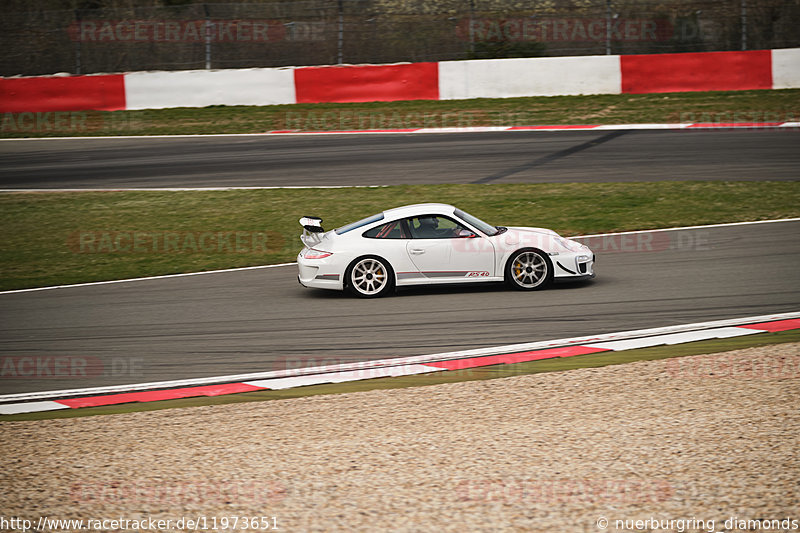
200 88
786 68
545 76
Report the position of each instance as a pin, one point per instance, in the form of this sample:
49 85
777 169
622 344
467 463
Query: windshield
362 222
488 229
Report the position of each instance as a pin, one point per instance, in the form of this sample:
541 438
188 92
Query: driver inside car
428 228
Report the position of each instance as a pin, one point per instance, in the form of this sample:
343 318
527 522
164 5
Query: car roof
419 209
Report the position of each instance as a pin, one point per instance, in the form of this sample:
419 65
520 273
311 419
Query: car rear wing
312 230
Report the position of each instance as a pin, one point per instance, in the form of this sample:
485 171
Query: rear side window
360 223
392 230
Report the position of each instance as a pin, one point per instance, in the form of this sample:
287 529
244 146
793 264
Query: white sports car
427 244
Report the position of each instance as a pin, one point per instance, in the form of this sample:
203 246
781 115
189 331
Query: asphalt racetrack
388 159
260 320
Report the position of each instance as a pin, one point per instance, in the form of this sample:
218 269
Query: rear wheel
369 277
529 270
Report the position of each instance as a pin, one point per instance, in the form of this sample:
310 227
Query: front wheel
529 270
369 277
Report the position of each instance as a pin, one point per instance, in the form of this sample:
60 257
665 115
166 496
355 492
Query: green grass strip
474 374
718 107
64 238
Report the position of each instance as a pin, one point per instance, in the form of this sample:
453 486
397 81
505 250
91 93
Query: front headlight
570 245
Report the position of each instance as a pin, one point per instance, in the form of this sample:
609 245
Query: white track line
146 278
400 361
32 407
166 276
727 224
675 338
178 136
182 189
411 131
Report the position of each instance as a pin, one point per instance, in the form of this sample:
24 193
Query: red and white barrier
405 366
447 80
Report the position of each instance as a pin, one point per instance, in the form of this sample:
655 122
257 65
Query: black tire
529 269
369 276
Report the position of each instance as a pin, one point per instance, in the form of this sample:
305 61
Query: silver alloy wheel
529 270
369 277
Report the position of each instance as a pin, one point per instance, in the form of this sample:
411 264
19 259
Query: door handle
416 251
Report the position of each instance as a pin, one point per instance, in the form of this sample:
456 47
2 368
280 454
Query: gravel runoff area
709 437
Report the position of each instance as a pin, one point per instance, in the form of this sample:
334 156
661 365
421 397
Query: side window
437 227
392 230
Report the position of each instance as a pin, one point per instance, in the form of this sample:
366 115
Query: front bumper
573 266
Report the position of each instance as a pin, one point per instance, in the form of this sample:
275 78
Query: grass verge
716 107
482 373
63 238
